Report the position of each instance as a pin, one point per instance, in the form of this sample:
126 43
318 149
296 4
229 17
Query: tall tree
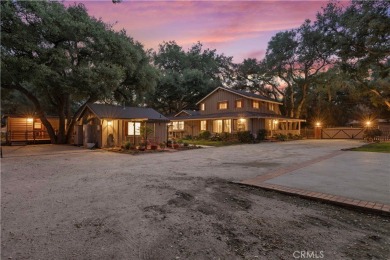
187 76
60 58
294 58
360 38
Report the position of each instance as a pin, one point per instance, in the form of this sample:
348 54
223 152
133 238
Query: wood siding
211 104
24 129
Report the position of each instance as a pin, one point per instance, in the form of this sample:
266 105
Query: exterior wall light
109 123
368 123
318 124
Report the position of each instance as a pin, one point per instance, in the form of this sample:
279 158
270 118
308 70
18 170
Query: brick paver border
259 181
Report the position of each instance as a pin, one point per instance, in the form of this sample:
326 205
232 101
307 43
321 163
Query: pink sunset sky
240 29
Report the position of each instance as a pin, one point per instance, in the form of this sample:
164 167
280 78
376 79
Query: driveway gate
342 133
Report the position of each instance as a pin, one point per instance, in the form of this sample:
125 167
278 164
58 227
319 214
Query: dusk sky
240 29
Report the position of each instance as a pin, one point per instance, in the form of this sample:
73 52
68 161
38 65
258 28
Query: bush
245 137
370 134
290 136
128 145
188 137
205 135
185 144
281 137
261 134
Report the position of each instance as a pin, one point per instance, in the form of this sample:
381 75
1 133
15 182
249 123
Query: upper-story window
255 104
271 106
223 105
202 106
239 103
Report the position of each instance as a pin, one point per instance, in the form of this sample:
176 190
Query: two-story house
227 110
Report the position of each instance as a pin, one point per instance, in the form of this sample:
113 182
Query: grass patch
374 147
211 143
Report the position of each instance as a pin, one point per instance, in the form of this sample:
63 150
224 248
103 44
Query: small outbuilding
109 125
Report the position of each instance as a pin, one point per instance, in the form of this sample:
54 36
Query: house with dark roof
226 110
109 125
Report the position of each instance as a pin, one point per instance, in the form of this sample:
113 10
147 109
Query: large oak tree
60 58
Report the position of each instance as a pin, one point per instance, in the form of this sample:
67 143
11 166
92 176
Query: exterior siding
22 129
211 103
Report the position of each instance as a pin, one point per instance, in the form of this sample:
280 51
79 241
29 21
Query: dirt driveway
62 202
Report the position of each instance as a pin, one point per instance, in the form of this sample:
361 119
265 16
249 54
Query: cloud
217 24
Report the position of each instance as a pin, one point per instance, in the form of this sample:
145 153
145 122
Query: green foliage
371 133
261 134
145 131
186 76
59 58
245 137
128 145
205 135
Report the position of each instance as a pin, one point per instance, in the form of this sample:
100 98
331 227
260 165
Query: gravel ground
61 202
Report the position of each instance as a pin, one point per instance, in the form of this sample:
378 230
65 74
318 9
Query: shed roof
243 94
124 112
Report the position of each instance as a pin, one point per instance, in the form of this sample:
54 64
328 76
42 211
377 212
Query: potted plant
162 146
142 146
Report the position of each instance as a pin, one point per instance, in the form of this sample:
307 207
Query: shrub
281 137
128 145
245 137
188 137
370 134
290 136
162 145
205 135
261 134
185 144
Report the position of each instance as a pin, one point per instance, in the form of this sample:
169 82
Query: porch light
368 123
318 124
276 122
109 123
30 120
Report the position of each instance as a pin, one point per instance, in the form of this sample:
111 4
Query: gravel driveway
63 202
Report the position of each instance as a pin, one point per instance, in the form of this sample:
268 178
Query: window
202 106
227 126
271 106
203 125
179 125
217 126
239 125
255 104
223 105
133 128
37 125
239 103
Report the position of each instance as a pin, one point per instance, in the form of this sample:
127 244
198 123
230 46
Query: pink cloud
216 24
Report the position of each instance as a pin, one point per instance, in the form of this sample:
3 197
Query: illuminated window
203 125
271 106
255 104
37 125
217 126
223 105
239 125
178 125
202 106
227 125
239 103
133 128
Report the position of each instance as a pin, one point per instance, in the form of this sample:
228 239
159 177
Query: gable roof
188 112
243 94
120 112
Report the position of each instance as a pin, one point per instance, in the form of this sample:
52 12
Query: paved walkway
356 179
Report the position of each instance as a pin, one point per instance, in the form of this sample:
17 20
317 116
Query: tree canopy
186 76
61 58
